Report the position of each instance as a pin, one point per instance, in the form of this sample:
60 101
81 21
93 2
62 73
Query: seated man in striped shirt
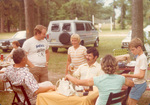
91 68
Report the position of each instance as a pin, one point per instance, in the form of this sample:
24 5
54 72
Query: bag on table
64 87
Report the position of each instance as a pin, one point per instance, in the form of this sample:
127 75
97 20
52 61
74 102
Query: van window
93 28
55 27
79 26
66 27
88 27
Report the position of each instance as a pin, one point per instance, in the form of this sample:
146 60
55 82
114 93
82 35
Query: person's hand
67 77
1 71
69 68
46 64
32 66
124 75
53 88
115 73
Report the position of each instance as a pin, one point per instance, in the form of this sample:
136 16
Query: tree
137 19
122 4
114 14
29 17
2 16
146 12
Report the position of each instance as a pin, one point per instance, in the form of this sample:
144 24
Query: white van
59 32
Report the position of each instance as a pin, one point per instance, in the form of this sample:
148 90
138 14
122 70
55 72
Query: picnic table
4 64
54 98
128 69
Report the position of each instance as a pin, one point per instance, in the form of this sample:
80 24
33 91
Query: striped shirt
77 55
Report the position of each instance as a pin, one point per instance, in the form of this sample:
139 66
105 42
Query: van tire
96 44
54 49
64 38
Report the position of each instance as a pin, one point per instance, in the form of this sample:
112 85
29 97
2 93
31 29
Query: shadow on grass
6 98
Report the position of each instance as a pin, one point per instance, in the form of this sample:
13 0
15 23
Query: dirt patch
53 77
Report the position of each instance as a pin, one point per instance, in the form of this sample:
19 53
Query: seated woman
109 82
76 54
15 45
18 74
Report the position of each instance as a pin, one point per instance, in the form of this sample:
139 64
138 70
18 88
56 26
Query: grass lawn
57 62
6 35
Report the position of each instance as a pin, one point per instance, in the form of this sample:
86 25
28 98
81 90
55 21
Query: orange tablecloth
54 98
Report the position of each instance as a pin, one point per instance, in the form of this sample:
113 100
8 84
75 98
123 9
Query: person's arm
84 82
85 53
1 71
9 56
77 73
47 56
139 75
44 89
68 63
29 63
129 83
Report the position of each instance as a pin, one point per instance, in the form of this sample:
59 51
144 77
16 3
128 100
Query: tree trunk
8 25
114 27
122 15
29 17
137 19
38 15
2 24
21 16
114 15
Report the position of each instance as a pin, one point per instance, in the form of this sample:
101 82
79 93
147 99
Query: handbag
64 87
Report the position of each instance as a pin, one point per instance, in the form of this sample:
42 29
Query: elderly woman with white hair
76 54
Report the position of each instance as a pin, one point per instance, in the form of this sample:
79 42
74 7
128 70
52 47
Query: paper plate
131 64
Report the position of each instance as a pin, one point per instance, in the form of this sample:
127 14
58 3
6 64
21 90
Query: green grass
57 62
114 32
6 98
6 35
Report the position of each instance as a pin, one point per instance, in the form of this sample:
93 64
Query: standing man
37 50
90 69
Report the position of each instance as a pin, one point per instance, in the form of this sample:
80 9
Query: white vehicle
6 44
60 31
125 41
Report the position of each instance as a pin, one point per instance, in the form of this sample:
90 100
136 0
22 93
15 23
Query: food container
86 88
71 67
79 93
85 93
2 57
91 88
79 90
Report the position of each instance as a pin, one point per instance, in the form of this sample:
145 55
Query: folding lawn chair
17 100
118 97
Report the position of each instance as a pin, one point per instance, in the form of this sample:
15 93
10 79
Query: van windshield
66 27
55 27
